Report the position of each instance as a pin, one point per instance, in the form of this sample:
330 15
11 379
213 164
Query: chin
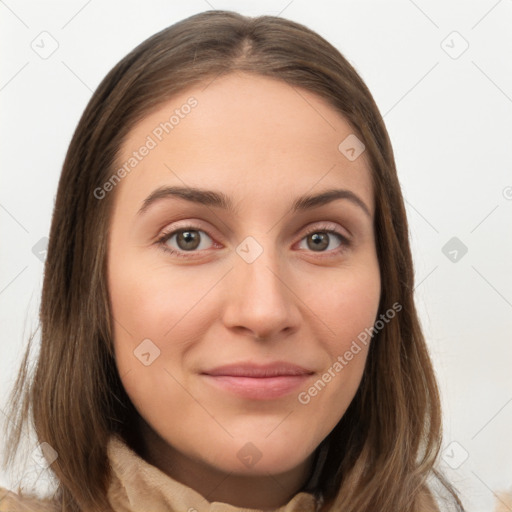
257 458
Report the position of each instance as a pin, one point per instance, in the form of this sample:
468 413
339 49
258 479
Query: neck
245 491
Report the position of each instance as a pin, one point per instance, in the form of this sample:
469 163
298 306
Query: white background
450 123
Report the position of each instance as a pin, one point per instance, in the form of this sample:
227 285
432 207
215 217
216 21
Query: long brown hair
384 450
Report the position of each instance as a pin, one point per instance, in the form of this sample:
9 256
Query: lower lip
259 388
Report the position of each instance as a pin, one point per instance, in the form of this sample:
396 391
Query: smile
258 381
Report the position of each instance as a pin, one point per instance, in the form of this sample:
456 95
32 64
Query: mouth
258 382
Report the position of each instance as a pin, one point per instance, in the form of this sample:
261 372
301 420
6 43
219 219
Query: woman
227 313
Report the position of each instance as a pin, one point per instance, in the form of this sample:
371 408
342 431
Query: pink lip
259 382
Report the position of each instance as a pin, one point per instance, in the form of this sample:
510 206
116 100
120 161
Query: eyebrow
221 200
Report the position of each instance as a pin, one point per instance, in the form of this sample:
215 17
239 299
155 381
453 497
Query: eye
188 239
319 239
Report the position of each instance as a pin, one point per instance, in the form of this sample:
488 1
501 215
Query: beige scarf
138 486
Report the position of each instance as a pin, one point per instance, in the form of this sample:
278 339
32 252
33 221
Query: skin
263 144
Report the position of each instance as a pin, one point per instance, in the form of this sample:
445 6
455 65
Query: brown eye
321 241
318 241
188 240
181 241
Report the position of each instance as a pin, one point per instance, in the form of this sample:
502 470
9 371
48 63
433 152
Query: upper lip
249 369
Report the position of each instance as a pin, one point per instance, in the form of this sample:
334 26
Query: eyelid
327 226
185 224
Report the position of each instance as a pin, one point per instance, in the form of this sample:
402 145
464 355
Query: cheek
156 303
147 309
347 302
148 299
346 307
352 313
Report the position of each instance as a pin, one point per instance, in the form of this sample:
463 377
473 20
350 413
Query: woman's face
212 263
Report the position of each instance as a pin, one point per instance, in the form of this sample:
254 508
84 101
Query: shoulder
504 501
12 502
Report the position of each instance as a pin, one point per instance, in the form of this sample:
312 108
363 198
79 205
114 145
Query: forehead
248 135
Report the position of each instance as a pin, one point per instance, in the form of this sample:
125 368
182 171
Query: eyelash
166 236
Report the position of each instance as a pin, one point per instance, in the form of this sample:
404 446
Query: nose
261 300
